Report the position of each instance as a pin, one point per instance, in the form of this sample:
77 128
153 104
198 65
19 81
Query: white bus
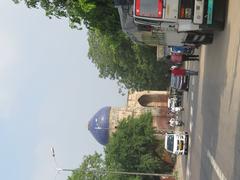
181 22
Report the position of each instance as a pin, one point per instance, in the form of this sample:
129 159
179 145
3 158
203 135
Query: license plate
181 146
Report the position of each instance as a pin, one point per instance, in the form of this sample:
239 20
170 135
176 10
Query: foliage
90 169
115 56
133 148
132 65
99 14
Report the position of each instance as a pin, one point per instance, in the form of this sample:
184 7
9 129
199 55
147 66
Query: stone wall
154 101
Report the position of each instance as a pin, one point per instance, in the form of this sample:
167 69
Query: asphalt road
212 106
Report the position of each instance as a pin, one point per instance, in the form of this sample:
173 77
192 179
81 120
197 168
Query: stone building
106 120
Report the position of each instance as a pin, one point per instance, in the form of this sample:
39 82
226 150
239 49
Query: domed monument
106 120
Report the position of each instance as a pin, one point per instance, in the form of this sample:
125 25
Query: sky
49 90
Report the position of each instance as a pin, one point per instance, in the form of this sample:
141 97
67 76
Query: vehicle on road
179 22
174 92
175 104
177 143
175 121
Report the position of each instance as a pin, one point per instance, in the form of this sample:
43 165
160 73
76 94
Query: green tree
133 147
99 14
115 56
133 65
90 169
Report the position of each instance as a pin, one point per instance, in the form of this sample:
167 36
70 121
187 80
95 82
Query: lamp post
93 170
58 169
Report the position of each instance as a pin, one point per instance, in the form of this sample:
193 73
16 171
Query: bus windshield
146 8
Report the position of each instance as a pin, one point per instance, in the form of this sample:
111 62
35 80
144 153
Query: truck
176 143
180 22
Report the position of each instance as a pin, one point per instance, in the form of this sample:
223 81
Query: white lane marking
191 111
190 128
188 173
216 167
193 80
192 95
199 138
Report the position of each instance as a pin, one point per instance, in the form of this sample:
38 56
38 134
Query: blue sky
48 91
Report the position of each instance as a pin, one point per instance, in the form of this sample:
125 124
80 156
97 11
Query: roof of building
99 125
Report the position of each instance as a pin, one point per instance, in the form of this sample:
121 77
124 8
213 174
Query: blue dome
99 125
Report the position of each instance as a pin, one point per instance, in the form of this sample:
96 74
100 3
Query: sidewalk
178 168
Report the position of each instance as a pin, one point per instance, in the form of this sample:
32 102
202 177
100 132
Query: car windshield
170 142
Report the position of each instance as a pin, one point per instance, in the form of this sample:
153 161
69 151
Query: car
177 143
180 83
175 104
174 92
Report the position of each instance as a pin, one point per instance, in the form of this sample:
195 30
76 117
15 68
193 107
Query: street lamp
58 169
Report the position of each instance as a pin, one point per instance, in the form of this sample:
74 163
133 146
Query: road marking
193 80
190 128
188 173
191 111
216 167
199 138
192 95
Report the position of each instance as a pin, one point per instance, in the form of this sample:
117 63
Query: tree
90 169
133 65
115 56
99 14
133 148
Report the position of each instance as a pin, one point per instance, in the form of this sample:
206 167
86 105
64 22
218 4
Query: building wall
139 103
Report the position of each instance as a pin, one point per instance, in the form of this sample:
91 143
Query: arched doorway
153 100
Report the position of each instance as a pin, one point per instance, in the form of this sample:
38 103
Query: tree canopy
114 54
133 65
90 169
99 14
132 148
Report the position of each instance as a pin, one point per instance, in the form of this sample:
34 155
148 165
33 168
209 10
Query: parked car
180 83
177 143
175 104
174 92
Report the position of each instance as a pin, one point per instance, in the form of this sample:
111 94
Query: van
177 143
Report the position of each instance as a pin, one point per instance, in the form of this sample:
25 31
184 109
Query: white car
174 105
177 143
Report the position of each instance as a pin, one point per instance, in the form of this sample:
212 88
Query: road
212 106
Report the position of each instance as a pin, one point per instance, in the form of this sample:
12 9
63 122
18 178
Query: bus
181 22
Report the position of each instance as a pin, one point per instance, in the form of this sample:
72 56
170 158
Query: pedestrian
179 71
